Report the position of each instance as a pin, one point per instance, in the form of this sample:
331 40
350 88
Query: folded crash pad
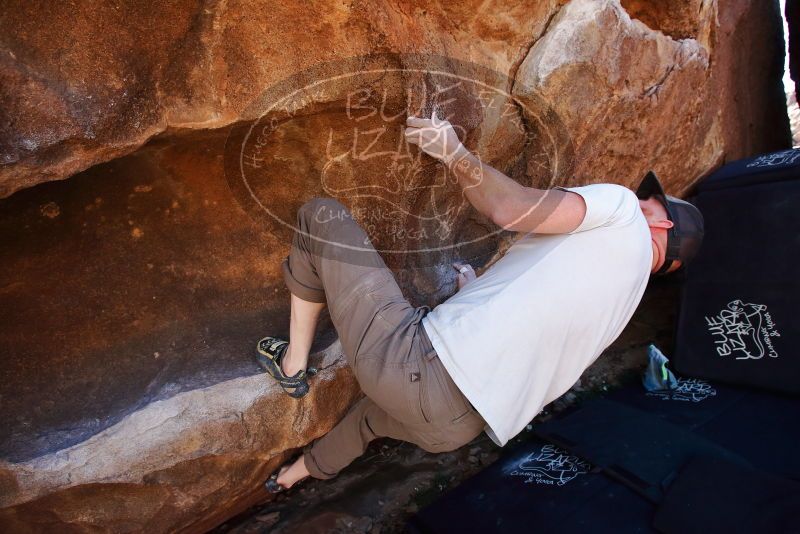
737 322
713 495
537 487
759 426
633 446
641 451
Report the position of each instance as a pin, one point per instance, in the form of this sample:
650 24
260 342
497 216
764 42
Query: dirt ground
380 490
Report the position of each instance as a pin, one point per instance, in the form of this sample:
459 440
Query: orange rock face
82 83
132 294
633 99
185 463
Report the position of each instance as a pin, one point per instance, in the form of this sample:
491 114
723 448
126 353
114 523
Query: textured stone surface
793 21
83 83
679 20
131 282
748 62
75 93
634 99
187 461
131 295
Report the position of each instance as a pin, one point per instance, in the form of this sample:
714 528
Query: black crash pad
712 495
737 320
538 486
640 450
761 427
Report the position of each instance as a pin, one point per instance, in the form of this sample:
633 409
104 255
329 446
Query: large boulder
83 82
668 91
184 463
132 294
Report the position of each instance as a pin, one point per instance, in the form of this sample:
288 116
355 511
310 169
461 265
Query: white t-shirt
521 334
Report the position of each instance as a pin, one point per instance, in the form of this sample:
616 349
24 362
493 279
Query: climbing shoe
269 353
272 485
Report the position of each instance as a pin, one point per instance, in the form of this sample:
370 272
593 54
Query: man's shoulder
607 205
608 188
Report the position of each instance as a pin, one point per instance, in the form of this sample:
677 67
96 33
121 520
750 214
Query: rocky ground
380 490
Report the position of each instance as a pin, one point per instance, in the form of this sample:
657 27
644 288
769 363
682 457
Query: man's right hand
435 137
466 274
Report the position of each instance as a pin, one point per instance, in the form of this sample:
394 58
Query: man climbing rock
507 343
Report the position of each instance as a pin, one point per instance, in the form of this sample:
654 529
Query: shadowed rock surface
132 294
793 21
186 462
131 282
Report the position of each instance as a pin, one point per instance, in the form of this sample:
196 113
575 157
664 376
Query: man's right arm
513 206
507 203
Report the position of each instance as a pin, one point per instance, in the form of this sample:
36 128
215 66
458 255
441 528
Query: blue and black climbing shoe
272 485
269 353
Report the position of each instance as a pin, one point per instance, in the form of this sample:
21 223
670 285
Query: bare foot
289 475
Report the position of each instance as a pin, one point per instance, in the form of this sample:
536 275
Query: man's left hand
466 274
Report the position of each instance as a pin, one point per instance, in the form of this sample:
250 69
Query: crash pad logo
550 465
745 331
336 130
784 157
689 390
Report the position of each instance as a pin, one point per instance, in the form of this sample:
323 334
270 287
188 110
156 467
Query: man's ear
666 224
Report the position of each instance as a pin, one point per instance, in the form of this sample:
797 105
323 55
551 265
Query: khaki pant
409 395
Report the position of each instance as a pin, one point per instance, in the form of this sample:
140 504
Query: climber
507 343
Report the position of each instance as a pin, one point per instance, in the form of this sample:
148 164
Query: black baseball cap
686 234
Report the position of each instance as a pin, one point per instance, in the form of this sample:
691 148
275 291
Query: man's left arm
507 203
